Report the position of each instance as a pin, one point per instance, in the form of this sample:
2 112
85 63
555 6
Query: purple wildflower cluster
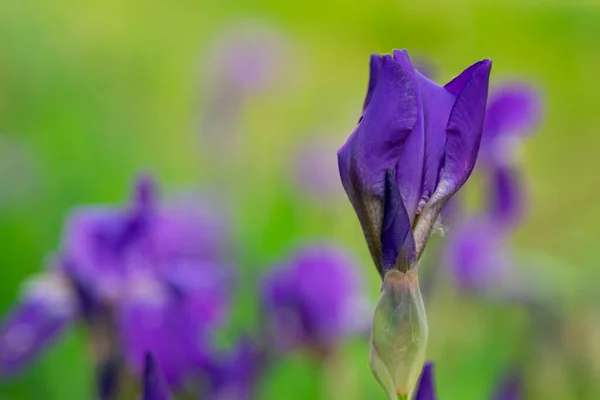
476 250
152 282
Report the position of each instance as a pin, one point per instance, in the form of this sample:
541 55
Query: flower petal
462 144
436 105
409 168
513 109
375 68
155 387
465 128
310 299
426 387
375 145
396 233
46 309
476 255
506 200
162 327
235 375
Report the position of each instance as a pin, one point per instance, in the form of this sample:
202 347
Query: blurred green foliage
101 90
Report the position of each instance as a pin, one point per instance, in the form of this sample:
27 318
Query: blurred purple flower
312 299
45 310
414 147
154 387
476 250
477 255
153 273
315 171
248 56
236 375
514 110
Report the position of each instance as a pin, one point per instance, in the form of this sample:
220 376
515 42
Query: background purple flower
477 250
311 299
248 56
154 273
236 375
315 171
46 308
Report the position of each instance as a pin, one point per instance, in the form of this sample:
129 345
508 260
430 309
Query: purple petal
437 102
144 195
45 311
315 171
248 57
155 387
236 375
375 68
185 231
311 299
206 288
464 127
513 109
426 387
477 256
93 246
396 233
160 325
506 199
375 145
409 168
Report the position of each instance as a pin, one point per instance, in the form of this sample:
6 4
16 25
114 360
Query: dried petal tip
399 334
155 387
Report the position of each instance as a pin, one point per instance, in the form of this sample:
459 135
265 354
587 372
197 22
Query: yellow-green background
100 90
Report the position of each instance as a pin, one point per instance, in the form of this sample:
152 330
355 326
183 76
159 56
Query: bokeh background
92 93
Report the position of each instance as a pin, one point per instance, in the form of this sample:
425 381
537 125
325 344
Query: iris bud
399 334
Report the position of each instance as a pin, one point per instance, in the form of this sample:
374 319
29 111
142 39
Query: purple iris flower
248 56
513 112
313 299
315 172
145 278
476 250
415 145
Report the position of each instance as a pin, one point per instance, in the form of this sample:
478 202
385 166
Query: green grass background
100 90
